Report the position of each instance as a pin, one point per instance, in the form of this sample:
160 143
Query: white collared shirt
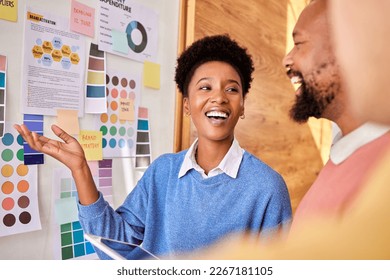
229 164
345 146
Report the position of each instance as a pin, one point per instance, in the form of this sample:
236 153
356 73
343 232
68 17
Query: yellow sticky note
126 109
9 10
152 75
91 141
68 120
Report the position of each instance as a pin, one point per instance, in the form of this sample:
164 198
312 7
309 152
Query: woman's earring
187 114
242 116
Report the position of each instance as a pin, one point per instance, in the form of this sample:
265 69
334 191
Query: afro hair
213 48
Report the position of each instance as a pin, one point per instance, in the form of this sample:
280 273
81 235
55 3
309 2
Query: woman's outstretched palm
69 152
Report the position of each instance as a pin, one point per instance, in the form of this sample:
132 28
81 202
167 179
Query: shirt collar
345 146
230 164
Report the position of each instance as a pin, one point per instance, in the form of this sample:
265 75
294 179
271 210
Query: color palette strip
19 210
3 87
96 97
33 123
72 244
143 146
119 135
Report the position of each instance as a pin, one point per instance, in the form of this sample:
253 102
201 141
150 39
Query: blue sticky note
66 210
119 41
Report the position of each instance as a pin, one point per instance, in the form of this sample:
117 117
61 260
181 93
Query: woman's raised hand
69 152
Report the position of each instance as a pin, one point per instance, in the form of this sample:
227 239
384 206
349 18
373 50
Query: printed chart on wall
119 124
128 29
53 65
69 242
19 210
3 87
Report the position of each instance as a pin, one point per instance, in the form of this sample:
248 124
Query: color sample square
72 243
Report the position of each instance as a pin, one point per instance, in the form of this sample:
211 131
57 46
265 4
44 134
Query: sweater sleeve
125 224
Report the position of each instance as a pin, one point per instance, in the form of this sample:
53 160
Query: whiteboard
160 103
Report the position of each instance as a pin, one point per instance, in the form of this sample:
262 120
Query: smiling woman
187 200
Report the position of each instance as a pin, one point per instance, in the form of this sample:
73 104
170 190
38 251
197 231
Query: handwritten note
126 109
9 10
91 141
82 19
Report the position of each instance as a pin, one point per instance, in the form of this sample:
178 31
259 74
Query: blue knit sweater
171 215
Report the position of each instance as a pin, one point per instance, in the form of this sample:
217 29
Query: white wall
161 104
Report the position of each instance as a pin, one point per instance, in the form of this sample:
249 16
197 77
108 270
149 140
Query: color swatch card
33 123
118 129
3 87
19 210
96 98
69 236
143 156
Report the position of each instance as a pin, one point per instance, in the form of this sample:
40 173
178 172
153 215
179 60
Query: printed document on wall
128 29
53 65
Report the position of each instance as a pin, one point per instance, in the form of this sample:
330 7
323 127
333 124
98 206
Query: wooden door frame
185 37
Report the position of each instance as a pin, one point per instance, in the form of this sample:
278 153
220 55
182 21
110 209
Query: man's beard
314 98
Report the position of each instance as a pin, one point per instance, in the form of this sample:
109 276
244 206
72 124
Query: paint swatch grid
143 156
72 243
119 124
3 87
33 123
19 210
95 101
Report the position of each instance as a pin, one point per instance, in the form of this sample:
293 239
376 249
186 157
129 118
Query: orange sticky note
68 120
91 141
152 75
126 109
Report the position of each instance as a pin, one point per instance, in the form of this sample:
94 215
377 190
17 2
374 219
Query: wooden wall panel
267 131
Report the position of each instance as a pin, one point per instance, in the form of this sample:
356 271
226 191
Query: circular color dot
114 105
132 95
104 143
113 118
20 155
107 79
23 186
9 220
122 131
132 84
104 118
23 201
20 140
8 139
8 203
130 131
115 80
7 155
112 143
22 170
113 130
104 130
130 143
114 93
124 82
107 92
123 94
121 143
7 170
7 187
25 217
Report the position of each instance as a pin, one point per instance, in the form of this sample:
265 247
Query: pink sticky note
82 19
